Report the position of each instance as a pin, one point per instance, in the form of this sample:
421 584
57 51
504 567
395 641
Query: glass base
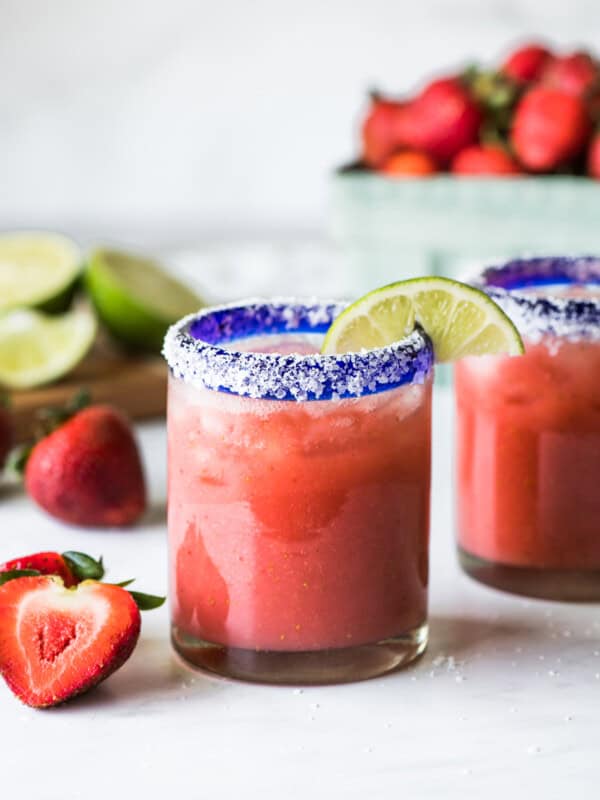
312 667
567 585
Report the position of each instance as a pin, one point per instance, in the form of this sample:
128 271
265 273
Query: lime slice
135 298
38 270
36 348
460 320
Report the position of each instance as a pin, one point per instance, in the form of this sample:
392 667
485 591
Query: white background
167 121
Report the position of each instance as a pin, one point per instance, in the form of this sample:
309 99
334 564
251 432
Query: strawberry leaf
84 567
146 602
123 584
52 417
17 459
12 574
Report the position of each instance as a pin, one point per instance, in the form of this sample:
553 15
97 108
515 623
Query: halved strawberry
56 643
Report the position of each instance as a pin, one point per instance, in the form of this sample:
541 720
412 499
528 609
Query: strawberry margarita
528 437
298 496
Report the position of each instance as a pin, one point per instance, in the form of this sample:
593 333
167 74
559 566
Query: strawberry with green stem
85 468
58 641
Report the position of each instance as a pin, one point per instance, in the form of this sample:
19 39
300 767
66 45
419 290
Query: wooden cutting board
136 384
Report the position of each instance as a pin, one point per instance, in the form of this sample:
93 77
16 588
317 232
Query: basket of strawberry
477 165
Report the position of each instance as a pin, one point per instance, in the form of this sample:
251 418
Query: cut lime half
459 320
37 270
36 348
135 298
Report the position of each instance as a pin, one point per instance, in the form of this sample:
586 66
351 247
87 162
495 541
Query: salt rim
194 351
538 316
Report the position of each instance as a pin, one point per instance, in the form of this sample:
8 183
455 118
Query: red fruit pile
536 113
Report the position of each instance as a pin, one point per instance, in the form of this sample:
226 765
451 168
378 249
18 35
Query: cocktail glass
298 496
528 436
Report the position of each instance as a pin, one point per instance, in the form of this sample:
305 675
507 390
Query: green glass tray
389 229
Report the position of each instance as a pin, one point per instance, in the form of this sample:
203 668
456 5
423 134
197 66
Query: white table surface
506 697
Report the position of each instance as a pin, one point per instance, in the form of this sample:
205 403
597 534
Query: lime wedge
38 270
460 320
36 348
135 298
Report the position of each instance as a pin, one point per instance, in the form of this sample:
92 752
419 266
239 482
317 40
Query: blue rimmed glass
298 496
528 436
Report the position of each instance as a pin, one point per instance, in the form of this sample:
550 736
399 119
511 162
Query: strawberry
550 127
574 74
527 63
485 159
379 134
71 567
407 163
88 471
440 121
593 158
56 643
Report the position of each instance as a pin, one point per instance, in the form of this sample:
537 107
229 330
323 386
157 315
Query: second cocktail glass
298 496
528 436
